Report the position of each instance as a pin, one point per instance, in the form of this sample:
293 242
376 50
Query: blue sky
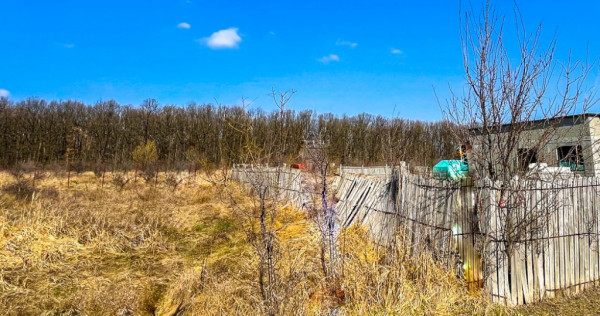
379 57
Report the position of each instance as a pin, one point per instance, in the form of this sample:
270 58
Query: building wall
585 134
562 136
594 128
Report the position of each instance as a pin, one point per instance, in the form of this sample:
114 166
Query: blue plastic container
450 169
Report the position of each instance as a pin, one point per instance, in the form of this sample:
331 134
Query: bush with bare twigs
22 189
120 180
173 180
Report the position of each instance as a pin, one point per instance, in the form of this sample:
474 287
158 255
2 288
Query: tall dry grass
145 249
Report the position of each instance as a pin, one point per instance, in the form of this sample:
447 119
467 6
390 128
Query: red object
296 166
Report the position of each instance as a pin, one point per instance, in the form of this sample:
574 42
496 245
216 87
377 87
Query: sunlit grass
151 249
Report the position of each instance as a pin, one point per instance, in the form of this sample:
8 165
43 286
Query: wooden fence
522 242
283 181
554 251
366 201
384 172
429 212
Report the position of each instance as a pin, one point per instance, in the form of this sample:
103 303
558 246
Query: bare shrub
39 175
27 166
99 170
148 174
173 180
78 166
22 189
120 180
17 172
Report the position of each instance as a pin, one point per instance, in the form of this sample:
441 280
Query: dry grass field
151 249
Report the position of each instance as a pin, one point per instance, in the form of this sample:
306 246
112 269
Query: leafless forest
105 134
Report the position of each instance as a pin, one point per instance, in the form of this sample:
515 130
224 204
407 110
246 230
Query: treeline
35 130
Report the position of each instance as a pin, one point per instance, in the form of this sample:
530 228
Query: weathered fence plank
281 181
465 225
558 252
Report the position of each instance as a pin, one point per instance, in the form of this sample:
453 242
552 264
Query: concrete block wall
586 134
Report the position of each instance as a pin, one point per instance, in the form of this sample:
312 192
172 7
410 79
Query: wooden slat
594 240
562 255
556 263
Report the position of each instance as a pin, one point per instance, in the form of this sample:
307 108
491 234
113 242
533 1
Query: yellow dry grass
155 250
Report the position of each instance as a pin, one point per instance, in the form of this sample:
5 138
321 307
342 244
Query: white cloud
396 51
327 59
4 93
228 38
184 25
272 33
346 43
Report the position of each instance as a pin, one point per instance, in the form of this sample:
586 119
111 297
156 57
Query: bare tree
265 184
505 91
510 114
322 210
